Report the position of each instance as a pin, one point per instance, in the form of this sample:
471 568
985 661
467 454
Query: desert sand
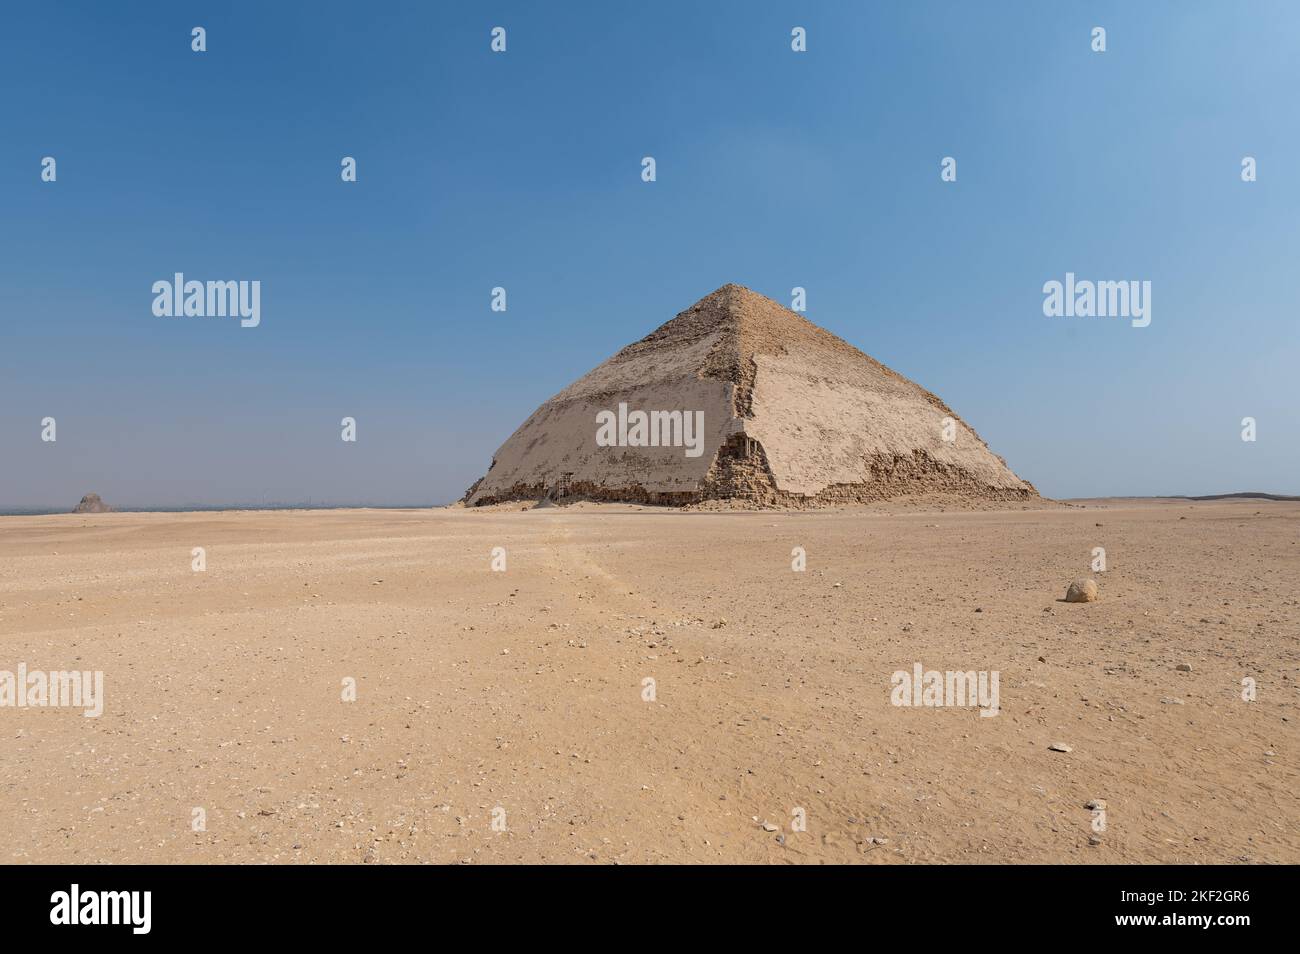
523 690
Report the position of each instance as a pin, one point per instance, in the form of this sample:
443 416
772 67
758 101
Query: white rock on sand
1081 591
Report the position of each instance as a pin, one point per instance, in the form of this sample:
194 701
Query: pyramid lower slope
792 416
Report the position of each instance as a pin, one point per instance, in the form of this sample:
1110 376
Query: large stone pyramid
792 417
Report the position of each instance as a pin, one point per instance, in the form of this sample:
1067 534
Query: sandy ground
523 689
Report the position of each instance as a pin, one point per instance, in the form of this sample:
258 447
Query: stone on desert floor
1081 591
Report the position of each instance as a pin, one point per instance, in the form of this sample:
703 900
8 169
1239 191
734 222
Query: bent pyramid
792 417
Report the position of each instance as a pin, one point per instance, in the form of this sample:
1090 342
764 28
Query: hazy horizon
48 509
522 170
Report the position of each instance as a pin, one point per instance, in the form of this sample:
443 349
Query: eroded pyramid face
740 398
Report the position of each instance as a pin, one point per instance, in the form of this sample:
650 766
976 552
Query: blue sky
522 169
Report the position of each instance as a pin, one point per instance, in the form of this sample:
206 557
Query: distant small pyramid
792 417
92 504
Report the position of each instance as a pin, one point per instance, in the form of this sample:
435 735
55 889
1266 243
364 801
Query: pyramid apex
733 303
735 292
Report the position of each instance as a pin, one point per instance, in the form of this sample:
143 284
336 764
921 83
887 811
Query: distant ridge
1244 495
1250 495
